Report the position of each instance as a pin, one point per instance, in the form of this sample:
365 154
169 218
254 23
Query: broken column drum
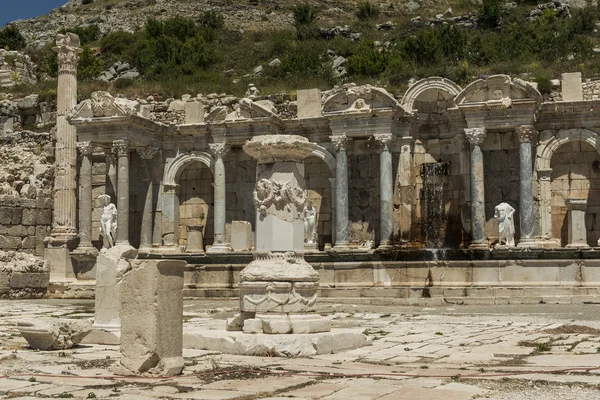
279 279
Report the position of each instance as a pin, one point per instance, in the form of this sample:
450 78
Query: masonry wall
24 223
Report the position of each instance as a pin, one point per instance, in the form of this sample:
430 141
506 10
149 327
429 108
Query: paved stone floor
449 353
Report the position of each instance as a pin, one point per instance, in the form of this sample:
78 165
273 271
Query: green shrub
422 48
89 66
304 14
367 62
544 84
87 2
123 83
87 34
212 19
367 10
490 13
11 38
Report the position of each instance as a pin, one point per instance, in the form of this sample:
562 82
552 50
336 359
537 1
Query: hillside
167 48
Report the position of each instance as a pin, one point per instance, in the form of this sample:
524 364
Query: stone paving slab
421 354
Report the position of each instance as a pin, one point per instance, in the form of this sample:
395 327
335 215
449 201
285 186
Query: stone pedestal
241 236
195 242
576 221
279 279
152 318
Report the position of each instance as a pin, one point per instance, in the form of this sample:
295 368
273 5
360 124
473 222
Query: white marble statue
310 222
108 221
504 214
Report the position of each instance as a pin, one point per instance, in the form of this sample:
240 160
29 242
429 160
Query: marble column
386 190
219 150
406 185
111 173
65 184
526 134
342 225
576 220
122 149
147 155
85 196
476 136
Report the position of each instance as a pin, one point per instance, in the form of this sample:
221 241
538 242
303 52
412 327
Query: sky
11 10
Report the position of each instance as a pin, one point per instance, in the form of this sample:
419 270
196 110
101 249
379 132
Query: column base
385 247
341 247
219 248
577 246
479 246
527 243
310 248
85 251
61 264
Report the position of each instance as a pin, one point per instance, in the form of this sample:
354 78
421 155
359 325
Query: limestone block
241 235
309 103
194 112
21 280
572 89
54 333
152 317
309 323
253 325
275 324
110 268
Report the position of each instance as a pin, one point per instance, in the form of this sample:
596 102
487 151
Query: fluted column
65 185
342 225
122 149
147 155
476 136
219 150
85 196
386 190
526 134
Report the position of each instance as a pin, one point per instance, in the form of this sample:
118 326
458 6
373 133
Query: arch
177 165
322 153
546 150
497 87
424 87
344 99
544 153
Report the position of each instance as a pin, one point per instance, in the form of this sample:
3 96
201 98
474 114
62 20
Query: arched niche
433 94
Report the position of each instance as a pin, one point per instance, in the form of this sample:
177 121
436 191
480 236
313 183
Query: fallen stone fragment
54 333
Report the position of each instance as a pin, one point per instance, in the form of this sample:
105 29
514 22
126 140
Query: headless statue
506 227
108 221
310 221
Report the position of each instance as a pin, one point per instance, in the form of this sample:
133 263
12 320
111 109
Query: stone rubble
54 333
15 68
118 71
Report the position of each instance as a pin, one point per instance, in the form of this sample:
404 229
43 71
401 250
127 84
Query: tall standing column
342 227
386 190
526 134
65 184
147 155
122 150
111 173
219 150
85 196
476 136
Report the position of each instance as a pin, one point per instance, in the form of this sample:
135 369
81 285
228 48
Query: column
147 155
386 190
476 136
85 196
65 185
342 227
111 173
122 149
219 150
406 186
526 134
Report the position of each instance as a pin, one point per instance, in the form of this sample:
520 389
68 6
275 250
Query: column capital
148 152
526 133
85 148
544 174
384 139
121 147
68 49
340 142
475 136
219 150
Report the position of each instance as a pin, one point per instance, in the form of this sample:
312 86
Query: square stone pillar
152 318
576 216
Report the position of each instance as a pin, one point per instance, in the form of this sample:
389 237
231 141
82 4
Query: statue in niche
310 223
108 221
504 214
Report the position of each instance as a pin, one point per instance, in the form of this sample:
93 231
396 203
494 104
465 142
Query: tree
11 38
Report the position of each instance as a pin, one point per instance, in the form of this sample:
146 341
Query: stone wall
575 175
24 223
22 275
